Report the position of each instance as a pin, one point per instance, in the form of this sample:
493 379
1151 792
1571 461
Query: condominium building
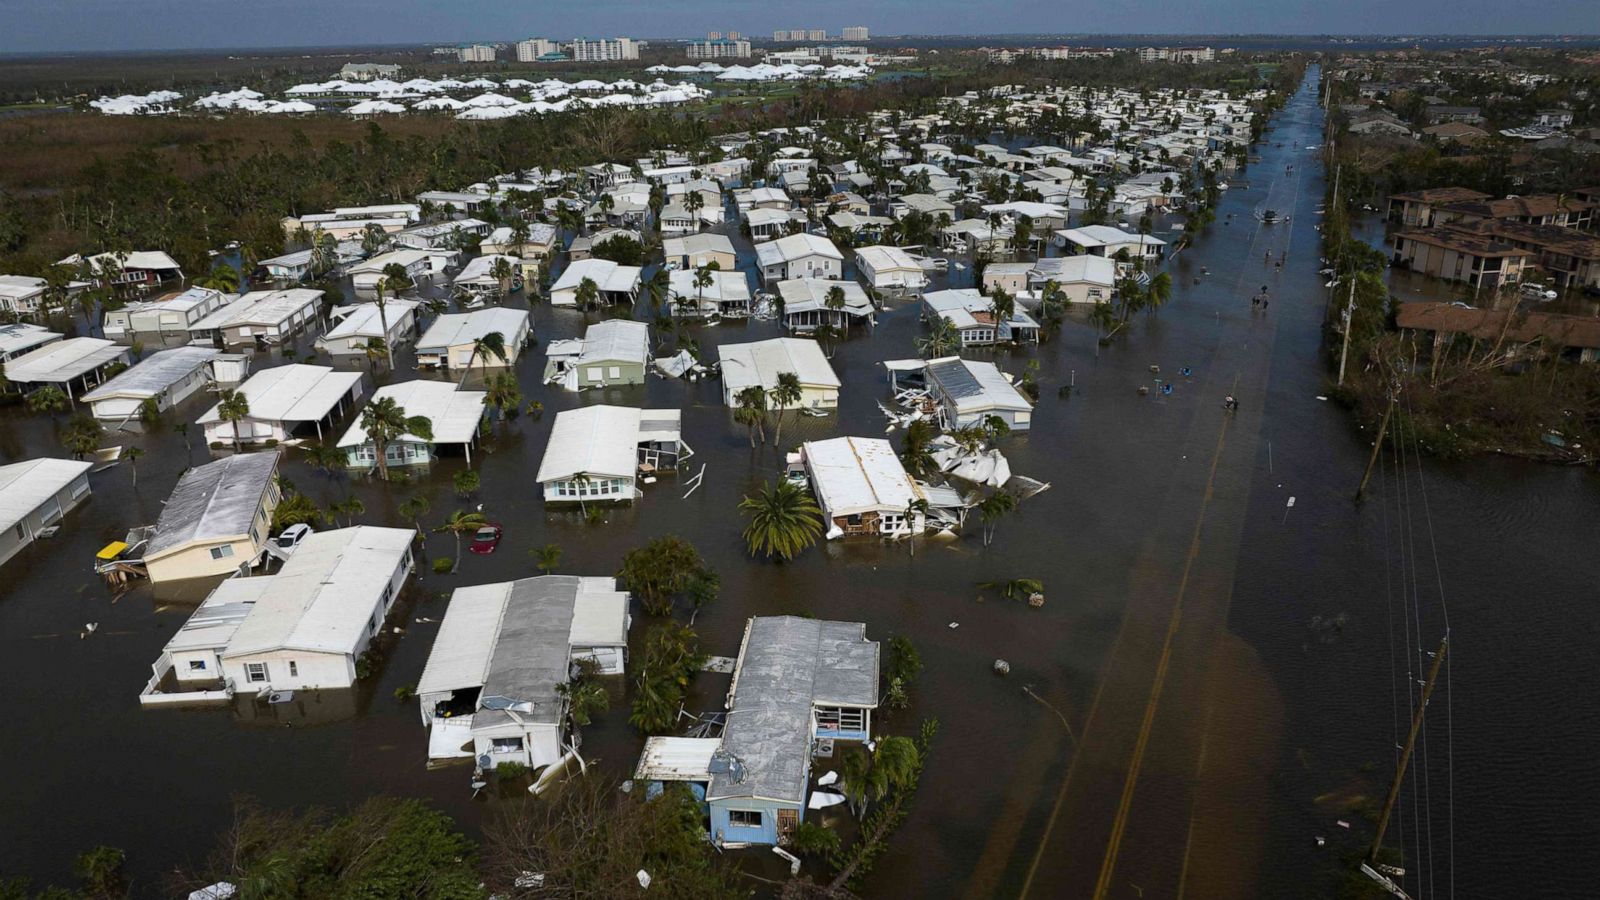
1178 54
718 48
817 34
854 33
531 49
476 53
604 49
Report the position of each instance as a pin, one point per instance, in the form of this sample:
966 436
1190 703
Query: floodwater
1209 663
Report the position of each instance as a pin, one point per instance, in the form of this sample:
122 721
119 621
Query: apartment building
604 49
532 49
718 48
854 33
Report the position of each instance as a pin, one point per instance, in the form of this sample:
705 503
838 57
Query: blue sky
54 25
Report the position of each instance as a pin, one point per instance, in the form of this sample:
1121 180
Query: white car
291 537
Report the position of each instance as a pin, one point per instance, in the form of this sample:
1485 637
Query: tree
233 408
942 340
378 290
659 571
869 775
991 509
493 345
1158 291
658 289
373 238
48 399
375 348
224 278
785 394
150 413
1003 305
501 271
826 334
546 558
504 395
1102 316
916 448
101 872
349 507
461 522
296 508
834 302
82 435
752 411
466 482
414 508
671 657
384 421
587 296
584 696
133 455
784 520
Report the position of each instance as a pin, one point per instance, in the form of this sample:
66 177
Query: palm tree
826 334
784 520
942 340
48 399
234 408
132 454
992 509
916 450
375 348
384 421
504 395
1003 305
703 278
752 411
501 271
587 295
383 317
658 288
870 775
1102 316
492 344
784 394
1158 291
1053 303
82 435
461 522
546 558
834 302
414 508
350 507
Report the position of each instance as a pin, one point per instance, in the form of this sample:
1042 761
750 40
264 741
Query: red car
486 539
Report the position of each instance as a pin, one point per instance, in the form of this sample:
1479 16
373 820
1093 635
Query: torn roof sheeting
788 666
218 499
975 385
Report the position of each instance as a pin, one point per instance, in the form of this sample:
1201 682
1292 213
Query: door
788 821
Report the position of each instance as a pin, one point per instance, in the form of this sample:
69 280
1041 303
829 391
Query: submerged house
599 453
973 317
177 313
79 361
614 283
167 376
798 683
355 325
696 250
863 489
217 519
261 318
761 362
727 295
491 688
448 343
805 304
610 353
961 392
18 338
282 400
454 416
301 628
35 495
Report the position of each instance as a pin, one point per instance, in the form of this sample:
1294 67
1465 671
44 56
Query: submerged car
486 539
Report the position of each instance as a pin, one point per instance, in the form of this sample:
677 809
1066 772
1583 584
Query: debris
828 778
1001 667
1036 599
1321 841
1341 823
644 878
955 624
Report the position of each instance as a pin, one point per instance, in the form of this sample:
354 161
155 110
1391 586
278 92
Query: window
223 552
294 669
614 372
79 488
595 373
505 745
197 665
744 818
834 718
255 672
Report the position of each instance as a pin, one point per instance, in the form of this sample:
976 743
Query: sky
109 25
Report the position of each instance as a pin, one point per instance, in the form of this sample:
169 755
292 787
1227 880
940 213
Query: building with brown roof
1455 133
1456 254
1574 336
1414 209
1571 258
1534 209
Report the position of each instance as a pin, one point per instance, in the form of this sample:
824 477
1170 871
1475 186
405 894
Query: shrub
405 692
815 840
509 770
441 565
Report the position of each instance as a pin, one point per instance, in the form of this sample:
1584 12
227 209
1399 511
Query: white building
302 628
604 49
596 453
20 337
283 399
722 48
167 376
805 303
856 33
888 268
799 256
862 487
964 391
65 364
454 416
761 362
449 341
1107 241
476 53
728 294
261 318
175 313
21 294
974 319
616 283
531 49
34 495
491 687
359 323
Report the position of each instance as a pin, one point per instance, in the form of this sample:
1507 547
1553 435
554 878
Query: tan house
217 519
1479 260
1415 208
696 250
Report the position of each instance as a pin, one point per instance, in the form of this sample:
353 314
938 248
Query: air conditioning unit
824 748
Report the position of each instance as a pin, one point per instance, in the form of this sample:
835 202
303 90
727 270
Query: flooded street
1192 704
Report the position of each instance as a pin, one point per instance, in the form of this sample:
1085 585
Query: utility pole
1383 427
1405 755
1349 316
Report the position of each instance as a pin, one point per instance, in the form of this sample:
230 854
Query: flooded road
1204 704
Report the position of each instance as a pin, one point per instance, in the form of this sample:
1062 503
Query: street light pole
1349 316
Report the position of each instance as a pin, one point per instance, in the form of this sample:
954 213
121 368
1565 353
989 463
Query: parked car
291 537
486 539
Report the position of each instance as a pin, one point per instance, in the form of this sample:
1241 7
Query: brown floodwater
1210 661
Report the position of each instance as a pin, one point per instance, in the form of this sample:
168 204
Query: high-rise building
604 49
718 49
854 33
780 34
714 36
531 49
476 53
817 34
734 36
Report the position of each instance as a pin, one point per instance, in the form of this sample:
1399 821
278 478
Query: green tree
992 509
375 348
503 394
869 775
150 413
48 399
233 408
784 520
547 558
659 571
916 448
461 522
942 340
224 278
414 508
784 394
584 695
491 345
587 296
671 657
384 421
81 435
752 411
466 482
379 298
100 870
296 508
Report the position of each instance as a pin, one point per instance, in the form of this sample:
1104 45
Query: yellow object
111 551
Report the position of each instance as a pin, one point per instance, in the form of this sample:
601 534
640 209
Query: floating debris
1001 667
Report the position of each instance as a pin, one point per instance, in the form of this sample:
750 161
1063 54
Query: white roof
853 475
366 320
293 393
461 329
155 373
1102 235
152 260
596 440
760 362
702 242
217 500
63 361
21 287
796 246
1078 269
807 294
20 336
24 486
323 597
764 216
616 339
668 758
725 286
477 271
462 649
453 414
607 276
886 259
266 308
